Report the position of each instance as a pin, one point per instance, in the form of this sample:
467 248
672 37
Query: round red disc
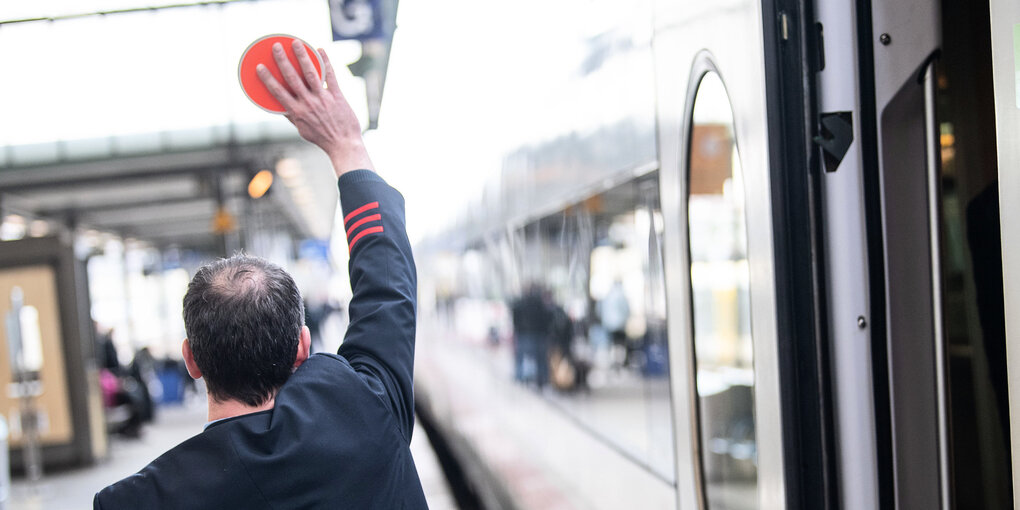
261 52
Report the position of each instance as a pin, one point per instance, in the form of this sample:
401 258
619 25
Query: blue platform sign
314 249
356 19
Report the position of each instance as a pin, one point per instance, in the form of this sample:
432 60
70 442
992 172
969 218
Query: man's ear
304 346
189 360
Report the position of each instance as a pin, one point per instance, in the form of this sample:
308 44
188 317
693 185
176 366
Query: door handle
933 165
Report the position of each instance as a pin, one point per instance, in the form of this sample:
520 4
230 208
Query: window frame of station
634 177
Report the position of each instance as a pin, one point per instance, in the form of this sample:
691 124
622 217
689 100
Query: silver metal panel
733 36
1005 16
746 83
673 62
911 30
847 269
909 304
913 27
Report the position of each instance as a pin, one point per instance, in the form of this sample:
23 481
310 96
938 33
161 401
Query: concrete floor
74 489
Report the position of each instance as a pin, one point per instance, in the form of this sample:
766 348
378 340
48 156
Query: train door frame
846 271
1005 31
792 59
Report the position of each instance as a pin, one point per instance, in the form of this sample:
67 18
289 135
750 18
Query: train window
571 308
721 303
597 269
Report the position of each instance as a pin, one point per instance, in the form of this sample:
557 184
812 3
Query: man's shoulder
322 380
327 388
321 366
205 465
173 468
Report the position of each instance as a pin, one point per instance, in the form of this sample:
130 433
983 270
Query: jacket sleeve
379 343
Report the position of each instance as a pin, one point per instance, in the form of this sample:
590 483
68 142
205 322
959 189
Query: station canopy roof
172 188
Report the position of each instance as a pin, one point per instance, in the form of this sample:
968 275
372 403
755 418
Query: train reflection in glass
573 305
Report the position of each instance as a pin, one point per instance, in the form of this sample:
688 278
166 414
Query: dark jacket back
338 435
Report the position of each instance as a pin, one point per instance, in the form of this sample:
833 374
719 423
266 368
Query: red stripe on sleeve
366 207
362 221
363 233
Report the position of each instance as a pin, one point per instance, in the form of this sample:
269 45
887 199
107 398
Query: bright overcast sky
141 72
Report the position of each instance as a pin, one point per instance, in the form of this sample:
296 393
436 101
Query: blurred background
129 157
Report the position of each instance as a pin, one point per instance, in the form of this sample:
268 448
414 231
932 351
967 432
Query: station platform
74 489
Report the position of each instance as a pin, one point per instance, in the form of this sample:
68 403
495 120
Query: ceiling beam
111 12
127 206
69 178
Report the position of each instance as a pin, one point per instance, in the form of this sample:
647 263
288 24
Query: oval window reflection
721 304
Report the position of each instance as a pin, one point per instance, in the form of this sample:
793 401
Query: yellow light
947 139
223 221
260 184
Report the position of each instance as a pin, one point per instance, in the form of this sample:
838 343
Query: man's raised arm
380 338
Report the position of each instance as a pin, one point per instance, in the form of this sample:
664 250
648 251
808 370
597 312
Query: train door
1005 63
897 42
911 229
877 234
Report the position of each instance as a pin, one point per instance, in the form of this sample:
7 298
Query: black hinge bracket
816 49
836 132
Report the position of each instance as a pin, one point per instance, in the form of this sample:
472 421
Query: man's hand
321 115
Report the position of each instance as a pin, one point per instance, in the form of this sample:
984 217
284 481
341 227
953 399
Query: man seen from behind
287 429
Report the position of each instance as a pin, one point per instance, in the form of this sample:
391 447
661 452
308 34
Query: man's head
244 319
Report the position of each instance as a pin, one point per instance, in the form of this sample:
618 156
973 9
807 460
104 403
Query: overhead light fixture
38 228
260 184
223 222
12 228
288 168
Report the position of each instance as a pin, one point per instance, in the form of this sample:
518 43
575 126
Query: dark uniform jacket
337 437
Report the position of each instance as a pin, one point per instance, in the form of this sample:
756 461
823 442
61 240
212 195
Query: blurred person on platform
532 320
106 350
287 429
142 371
563 366
614 311
123 403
